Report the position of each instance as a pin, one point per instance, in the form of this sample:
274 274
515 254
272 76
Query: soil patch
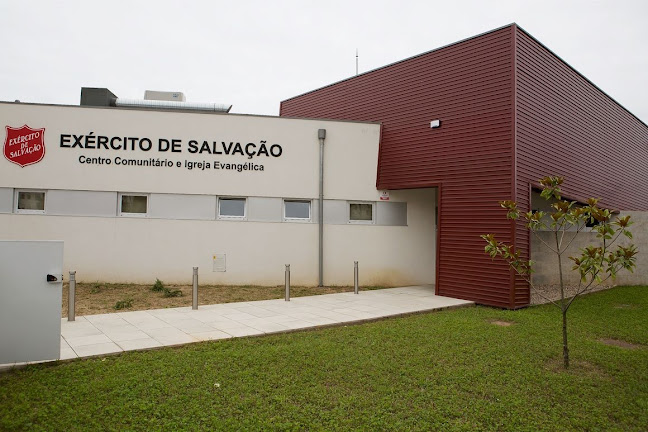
98 298
620 343
576 367
625 306
502 323
543 293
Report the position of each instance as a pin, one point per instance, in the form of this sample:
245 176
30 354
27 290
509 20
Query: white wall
351 153
140 250
390 255
111 248
546 262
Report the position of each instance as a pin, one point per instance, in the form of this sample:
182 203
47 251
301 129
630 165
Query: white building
141 193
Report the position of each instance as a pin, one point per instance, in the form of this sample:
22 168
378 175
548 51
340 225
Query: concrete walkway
95 335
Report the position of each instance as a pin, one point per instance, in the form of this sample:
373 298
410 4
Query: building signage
139 152
384 195
24 145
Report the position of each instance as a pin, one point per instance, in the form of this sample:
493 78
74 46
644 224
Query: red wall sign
24 145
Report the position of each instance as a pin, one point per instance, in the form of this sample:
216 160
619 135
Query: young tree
596 263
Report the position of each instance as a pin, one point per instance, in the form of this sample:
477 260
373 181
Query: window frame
29 211
231 217
362 222
298 219
129 214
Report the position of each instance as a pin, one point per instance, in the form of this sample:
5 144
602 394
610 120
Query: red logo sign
24 145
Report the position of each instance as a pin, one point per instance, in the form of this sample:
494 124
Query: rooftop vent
164 104
152 100
164 96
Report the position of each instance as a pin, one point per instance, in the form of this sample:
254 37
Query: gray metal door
30 305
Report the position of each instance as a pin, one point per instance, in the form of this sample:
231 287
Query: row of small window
228 208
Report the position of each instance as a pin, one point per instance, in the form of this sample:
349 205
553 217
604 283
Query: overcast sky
253 54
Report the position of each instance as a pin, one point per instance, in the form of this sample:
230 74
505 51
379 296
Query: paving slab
80 341
139 344
211 335
242 331
97 349
104 334
170 336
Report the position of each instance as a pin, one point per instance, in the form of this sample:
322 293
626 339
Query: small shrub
171 293
124 304
158 286
595 264
96 288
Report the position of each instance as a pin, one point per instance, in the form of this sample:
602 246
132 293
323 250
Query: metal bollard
287 282
72 296
194 300
355 277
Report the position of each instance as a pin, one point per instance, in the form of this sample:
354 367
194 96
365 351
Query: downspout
321 134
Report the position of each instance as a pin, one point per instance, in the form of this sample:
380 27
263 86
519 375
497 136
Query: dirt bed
544 293
98 298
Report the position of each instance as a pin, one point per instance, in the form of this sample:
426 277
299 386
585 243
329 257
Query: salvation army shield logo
24 145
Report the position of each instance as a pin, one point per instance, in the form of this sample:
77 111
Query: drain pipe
321 134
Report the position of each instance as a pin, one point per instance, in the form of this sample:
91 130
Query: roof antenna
356 61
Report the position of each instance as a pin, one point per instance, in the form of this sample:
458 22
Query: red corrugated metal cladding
566 126
471 87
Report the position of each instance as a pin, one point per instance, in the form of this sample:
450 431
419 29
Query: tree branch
527 278
544 242
562 236
537 291
614 239
579 228
588 287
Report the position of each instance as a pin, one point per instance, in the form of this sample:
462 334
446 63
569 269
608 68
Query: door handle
52 278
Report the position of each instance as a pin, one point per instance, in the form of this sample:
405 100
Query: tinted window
134 204
297 209
361 212
231 207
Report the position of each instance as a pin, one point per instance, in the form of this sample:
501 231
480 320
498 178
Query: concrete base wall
139 250
546 262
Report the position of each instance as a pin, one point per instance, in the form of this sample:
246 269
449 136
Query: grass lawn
452 370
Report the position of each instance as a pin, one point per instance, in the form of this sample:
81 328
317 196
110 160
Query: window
297 210
28 201
361 212
133 205
231 208
591 223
